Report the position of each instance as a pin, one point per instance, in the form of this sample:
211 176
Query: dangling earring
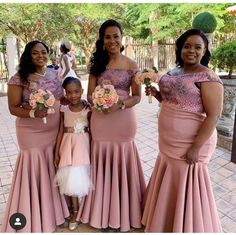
103 47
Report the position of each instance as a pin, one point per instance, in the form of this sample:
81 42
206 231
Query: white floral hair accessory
67 44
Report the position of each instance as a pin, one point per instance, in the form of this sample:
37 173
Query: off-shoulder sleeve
64 108
15 80
133 72
209 77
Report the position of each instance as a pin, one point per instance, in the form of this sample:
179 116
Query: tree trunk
230 73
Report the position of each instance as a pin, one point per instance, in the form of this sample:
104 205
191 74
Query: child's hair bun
67 44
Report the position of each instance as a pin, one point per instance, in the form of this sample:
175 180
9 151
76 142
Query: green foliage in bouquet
224 57
205 21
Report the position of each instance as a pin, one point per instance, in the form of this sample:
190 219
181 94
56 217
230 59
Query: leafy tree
169 20
54 22
87 20
138 24
79 22
33 21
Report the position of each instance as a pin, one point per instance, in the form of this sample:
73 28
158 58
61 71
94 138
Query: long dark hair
180 43
100 57
26 66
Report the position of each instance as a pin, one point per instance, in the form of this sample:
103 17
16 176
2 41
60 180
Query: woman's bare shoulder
203 68
130 64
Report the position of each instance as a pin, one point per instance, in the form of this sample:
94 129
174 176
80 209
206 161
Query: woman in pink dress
116 169
179 197
33 193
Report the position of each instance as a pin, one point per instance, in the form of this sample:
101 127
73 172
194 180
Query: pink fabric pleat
117 177
32 191
179 196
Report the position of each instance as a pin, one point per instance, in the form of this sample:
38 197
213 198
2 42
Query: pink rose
32 103
50 102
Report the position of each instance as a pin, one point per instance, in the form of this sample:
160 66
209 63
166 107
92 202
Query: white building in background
12 54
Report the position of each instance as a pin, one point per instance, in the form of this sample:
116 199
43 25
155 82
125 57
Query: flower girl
73 147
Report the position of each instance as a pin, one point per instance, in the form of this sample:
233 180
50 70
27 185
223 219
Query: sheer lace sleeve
210 76
15 80
64 108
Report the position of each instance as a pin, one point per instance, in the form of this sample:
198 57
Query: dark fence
166 54
160 54
139 51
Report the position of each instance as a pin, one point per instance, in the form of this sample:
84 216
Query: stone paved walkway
222 171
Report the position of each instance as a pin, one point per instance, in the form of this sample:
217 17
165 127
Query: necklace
40 74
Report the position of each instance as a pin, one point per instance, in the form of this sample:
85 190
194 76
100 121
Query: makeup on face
39 55
112 39
193 50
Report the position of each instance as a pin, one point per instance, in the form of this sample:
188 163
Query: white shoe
73 226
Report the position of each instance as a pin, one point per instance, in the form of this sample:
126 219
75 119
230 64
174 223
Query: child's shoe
73 226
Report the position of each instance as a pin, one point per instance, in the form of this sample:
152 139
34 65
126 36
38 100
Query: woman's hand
41 113
192 155
38 113
86 104
115 107
151 90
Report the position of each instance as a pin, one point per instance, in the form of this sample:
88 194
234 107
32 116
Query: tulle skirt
74 180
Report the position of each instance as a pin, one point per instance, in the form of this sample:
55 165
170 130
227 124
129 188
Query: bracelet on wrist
121 104
31 113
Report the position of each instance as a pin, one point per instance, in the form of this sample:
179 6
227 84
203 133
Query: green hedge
205 21
224 57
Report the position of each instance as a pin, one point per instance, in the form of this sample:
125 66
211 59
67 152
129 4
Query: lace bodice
121 79
182 90
49 82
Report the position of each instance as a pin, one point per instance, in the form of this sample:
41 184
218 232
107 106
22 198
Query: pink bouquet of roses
42 99
104 96
147 77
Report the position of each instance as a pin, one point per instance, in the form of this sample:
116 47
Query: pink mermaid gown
32 191
116 169
179 196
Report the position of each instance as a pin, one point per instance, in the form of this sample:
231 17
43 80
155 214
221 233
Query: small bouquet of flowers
42 99
104 96
146 77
